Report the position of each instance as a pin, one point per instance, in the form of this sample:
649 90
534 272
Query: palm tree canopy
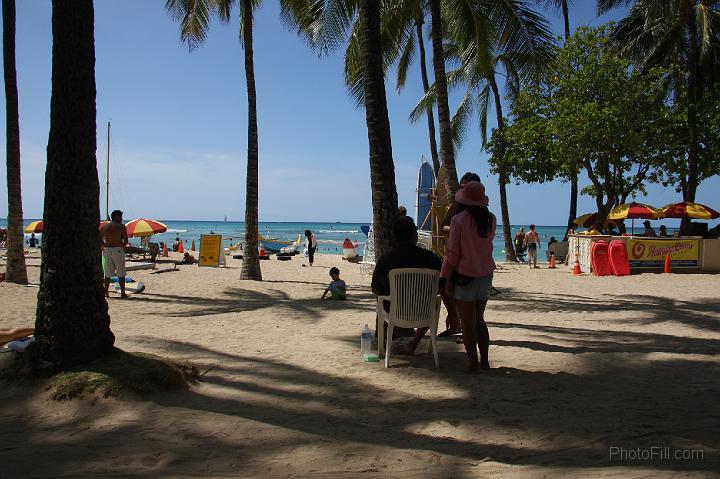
194 16
484 40
655 33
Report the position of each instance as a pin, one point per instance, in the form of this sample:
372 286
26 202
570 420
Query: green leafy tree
563 6
667 32
15 271
72 325
580 118
194 17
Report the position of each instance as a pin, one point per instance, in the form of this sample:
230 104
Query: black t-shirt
403 257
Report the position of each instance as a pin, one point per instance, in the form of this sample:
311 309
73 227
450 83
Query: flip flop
449 332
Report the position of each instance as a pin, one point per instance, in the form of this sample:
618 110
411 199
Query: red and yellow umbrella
143 227
34 227
688 210
633 211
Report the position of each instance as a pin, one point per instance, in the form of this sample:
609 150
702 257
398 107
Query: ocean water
329 235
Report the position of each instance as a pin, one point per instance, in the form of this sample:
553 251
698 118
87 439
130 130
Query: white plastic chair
414 303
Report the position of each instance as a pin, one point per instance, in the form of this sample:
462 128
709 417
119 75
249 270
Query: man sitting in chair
405 255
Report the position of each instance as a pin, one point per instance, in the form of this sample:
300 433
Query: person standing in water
311 246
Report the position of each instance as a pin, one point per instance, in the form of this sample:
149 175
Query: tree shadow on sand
645 309
240 300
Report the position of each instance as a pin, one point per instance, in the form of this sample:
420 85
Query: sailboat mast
107 177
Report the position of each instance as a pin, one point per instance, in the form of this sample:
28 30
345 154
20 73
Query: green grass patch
118 374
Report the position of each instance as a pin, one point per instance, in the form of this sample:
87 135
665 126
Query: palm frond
406 59
604 6
461 119
426 102
483 100
354 79
194 18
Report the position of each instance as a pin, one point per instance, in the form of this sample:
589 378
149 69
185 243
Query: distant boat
225 219
273 245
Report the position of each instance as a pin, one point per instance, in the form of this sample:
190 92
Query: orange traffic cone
668 266
181 249
552 260
262 250
576 267
192 248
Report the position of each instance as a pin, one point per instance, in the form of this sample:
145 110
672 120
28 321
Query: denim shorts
476 290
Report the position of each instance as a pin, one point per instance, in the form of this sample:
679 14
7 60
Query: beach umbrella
589 220
143 227
586 221
688 210
633 211
34 227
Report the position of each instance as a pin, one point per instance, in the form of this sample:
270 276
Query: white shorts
114 261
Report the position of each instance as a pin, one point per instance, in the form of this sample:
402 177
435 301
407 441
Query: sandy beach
581 365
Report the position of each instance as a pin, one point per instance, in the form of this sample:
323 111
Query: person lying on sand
187 259
8 335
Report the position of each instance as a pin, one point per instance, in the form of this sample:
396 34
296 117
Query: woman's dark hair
483 218
307 233
469 176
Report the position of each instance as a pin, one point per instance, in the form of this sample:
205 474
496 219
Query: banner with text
650 253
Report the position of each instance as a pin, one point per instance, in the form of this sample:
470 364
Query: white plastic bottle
366 339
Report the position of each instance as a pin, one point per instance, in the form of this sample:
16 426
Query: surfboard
423 203
619 258
600 258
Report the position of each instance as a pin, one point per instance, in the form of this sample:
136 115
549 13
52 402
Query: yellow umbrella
688 210
34 227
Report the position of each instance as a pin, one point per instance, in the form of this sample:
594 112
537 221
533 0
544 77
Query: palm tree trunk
502 174
426 87
15 271
447 153
692 66
72 324
572 214
251 260
382 169
566 19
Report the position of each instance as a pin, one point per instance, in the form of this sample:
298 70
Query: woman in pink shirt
469 266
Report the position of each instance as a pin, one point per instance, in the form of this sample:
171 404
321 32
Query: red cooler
600 258
619 258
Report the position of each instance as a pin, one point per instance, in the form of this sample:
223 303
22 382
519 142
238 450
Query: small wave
338 231
170 230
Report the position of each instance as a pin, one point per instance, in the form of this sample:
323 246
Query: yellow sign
211 253
651 253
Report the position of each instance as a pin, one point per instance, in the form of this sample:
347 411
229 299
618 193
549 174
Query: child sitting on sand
337 287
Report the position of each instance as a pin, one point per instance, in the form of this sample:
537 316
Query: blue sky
179 123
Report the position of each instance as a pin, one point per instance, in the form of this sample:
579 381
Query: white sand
581 364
